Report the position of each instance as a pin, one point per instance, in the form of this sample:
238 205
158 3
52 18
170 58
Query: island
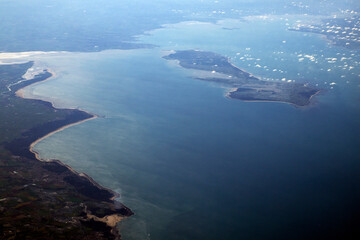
46 199
244 86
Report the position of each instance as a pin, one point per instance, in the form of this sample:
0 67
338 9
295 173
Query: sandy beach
22 57
21 93
51 133
110 220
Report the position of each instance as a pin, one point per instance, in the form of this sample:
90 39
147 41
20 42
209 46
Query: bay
193 164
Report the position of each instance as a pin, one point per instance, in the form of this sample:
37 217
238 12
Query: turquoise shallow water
193 164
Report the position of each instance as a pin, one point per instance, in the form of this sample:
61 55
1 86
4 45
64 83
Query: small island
245 86
46 199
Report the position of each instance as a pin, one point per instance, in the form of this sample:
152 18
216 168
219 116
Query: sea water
193 164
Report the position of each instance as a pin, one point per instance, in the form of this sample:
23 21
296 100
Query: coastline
297 95
81 181
53 132
250 75
20 92
227 95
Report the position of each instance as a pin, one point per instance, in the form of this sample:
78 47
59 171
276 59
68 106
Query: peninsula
245 86
46 200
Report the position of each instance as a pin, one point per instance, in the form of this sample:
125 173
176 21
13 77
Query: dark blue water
193 164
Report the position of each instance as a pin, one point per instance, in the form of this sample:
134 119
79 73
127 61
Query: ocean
193 164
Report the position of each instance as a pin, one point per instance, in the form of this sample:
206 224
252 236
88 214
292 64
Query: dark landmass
94 26
343 32
20 145
41 77
248 87
45 200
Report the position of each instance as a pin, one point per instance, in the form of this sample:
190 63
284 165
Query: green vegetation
36 200
248 87
16 114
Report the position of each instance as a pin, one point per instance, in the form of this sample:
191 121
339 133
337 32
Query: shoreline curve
110 220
